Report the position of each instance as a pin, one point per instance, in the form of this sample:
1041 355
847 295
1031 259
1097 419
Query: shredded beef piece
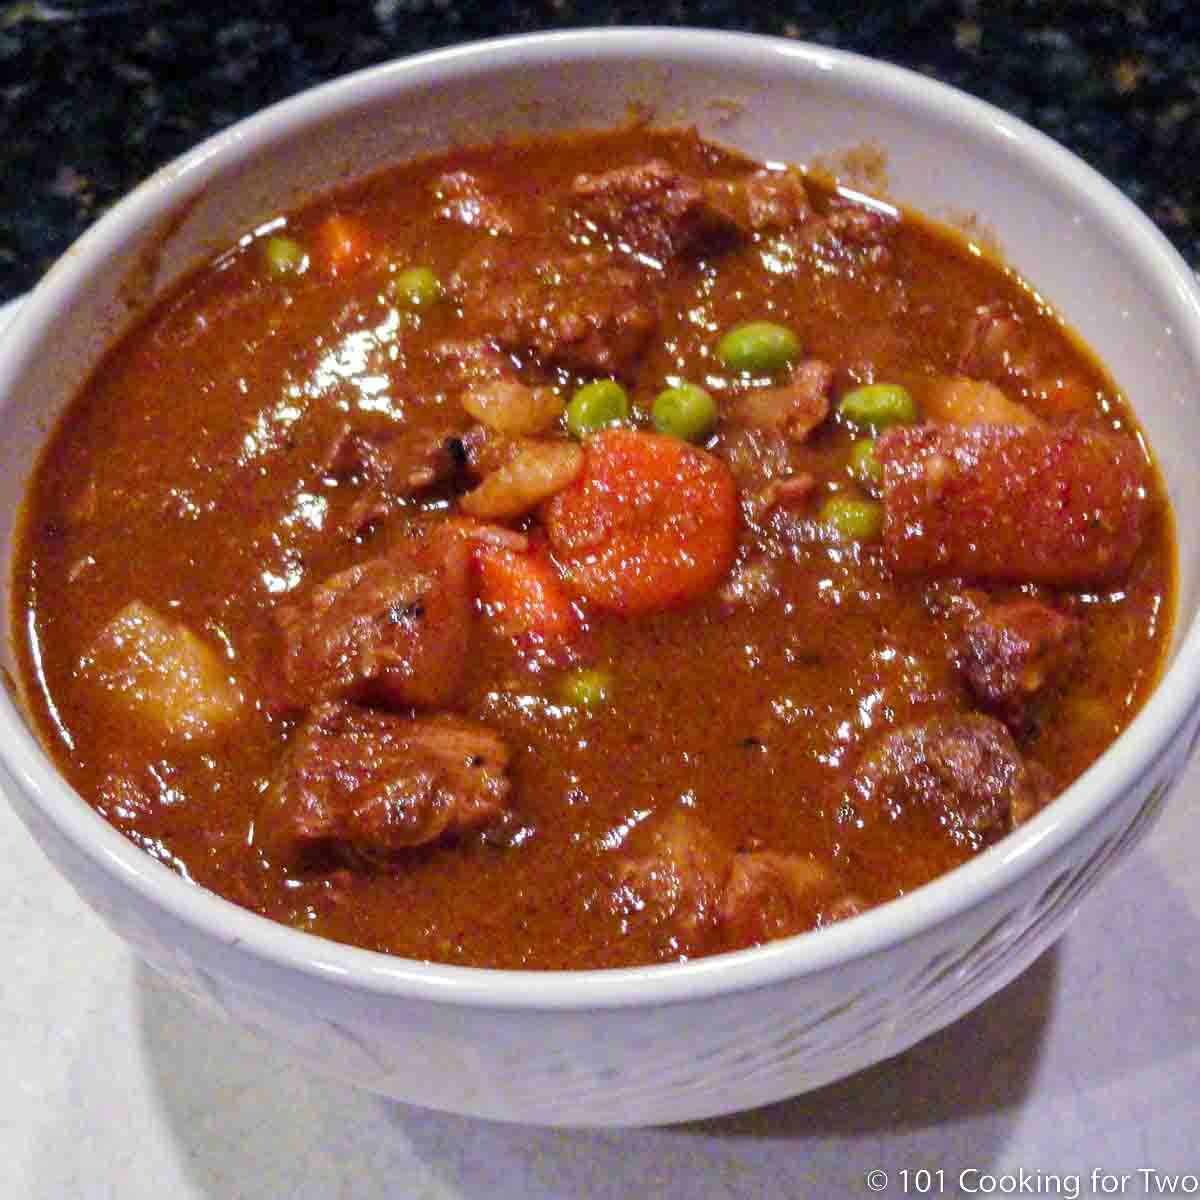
962 772
393 630
996 345
775 200
574 309
699 893
755 456
847 231
392 467
653 210
676 882
795 408
1062 507
473 361
760 462
858 225
483 450
771 895
402 462
375 784
750 583
789 495
1011 651
465 198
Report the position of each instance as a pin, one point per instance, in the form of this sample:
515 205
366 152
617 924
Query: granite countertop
1073 1081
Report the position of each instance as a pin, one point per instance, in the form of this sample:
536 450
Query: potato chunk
535 473
513 408
160 673
962 401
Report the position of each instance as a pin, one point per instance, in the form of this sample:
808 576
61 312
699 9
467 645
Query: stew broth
337 600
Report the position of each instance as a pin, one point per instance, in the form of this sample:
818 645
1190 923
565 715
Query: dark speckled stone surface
95 96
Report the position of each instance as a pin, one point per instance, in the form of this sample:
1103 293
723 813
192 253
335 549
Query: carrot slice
342 244
522 594
650 523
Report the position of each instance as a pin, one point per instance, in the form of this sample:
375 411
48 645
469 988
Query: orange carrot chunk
649 524
522 595
1060 506
342 244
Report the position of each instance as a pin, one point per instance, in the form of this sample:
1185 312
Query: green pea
588 687
758 346
595 405
285 257
864 466
853 519
416 287
879 405
686 411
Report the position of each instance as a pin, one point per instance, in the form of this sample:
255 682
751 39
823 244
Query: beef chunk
756 457
468 200
701 894
964 773
472 361
760 462
775 200
996 345
750 583
373 784
676 881
856 224
1011 651
848 231
766 202
393 630
795 408
401 462
392 467
653 211
573 309
771 895
1063 507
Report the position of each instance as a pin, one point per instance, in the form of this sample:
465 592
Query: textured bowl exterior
688 1040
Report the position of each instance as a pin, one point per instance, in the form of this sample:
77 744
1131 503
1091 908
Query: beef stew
589 551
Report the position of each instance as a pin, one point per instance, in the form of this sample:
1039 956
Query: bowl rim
935 904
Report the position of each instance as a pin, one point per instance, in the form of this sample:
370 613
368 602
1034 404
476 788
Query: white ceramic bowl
681 1041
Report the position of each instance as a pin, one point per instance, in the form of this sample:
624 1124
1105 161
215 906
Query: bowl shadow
241 1110
981 1065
